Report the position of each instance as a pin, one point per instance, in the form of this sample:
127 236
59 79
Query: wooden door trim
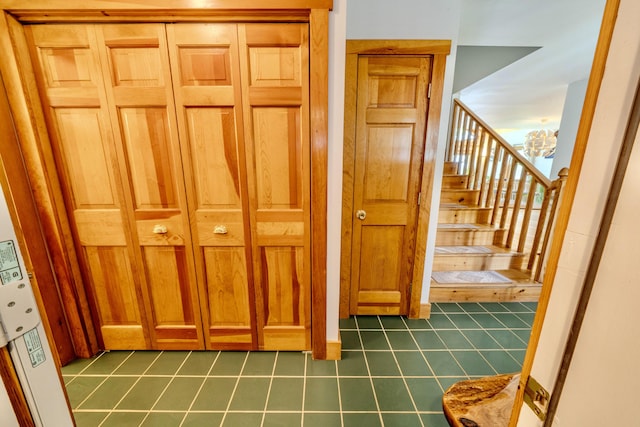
29 122
25 105
439 49
11 382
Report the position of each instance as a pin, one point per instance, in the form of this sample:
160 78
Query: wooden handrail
521 159
505 180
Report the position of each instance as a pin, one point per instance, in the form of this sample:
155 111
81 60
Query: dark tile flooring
393 372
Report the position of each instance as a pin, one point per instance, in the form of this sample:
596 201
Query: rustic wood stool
482 402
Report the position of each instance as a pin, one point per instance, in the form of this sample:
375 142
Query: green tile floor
393 372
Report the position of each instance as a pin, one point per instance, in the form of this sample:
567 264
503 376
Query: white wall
604 366
571 113
380 19
337 49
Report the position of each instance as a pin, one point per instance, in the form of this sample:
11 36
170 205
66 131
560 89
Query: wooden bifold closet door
182 152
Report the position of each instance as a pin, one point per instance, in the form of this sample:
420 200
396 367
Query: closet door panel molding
206 77
135 63
66 59
274 62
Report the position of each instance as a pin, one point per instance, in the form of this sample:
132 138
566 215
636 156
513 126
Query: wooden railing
523 201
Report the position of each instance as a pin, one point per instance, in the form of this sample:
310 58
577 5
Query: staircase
495 218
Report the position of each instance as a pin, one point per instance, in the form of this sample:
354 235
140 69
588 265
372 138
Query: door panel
66 57
276 116
116 299
171 294
138 85
390 131
228 295
145 132
184 155
206 76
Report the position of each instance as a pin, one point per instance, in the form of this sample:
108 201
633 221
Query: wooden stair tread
522 288
454 181
492 251
451 213
452 205
450 226
459 195
517 277
477 258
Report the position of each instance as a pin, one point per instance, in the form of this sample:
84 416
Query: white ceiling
529 94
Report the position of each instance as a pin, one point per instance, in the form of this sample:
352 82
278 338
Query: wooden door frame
439 49
26 109
9 377
596 76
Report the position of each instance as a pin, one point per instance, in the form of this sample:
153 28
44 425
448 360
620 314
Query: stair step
467 234
457 213
492 258
522 288
450 168
454 181
461 196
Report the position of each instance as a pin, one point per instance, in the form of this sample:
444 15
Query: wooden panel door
206 75
70 79
135 64
275 80
390 133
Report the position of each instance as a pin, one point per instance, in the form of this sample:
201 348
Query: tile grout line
266 401
482 328
199 390
108 376
477 350
404 381
487 331
423 350
447 345
339 394
235 387
165 387
79 373
109 412
304 389
366 362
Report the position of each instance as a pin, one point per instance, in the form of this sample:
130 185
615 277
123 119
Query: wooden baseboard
334 349
425 310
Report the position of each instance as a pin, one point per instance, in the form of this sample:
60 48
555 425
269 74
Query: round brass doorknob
361 214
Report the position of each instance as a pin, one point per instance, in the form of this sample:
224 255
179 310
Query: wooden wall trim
568 195
14 390
334 349
428 169
425 310
319 125
15 183
31 130
399 47
17 6
348 170
439 49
